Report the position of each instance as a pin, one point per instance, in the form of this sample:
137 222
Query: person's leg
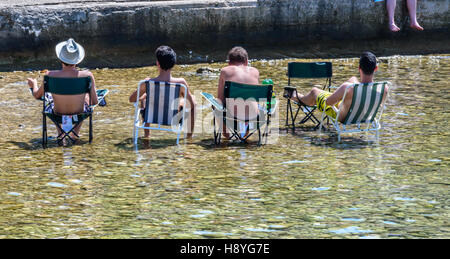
190 115
412 8
390 6
60 136
76 130
147 131
309 99
337 95
142 113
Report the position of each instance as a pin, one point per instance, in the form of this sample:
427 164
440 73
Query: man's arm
221 87
191 105
142 92
257 75
339 93
93 94
37 91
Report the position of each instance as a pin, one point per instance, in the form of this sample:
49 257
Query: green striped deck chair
66 123
161 108
367 103
241 129
305 70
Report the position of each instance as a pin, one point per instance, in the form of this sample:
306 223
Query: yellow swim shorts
321 103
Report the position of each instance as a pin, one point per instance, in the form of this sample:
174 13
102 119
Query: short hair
237 55
69 65
368 63
166 57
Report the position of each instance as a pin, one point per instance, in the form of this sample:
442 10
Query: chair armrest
274 108
101 94
289 91
212 100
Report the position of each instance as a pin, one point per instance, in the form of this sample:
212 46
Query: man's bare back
68 104
237 73
240 74
72 104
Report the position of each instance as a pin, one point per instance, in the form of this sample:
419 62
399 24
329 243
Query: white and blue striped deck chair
367 103
161 108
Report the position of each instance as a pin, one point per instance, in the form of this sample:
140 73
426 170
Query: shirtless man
70 54
165 61
238 71
367 67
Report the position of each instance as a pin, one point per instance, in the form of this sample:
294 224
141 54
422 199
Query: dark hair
368 62
237 55
166 57
69 65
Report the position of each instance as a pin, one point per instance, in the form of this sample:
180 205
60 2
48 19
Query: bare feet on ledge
394 28
416 26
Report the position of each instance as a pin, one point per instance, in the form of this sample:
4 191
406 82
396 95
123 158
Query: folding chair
367 102
67 123
241 129
161 108
305 70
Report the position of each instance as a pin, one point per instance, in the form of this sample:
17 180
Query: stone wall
125 33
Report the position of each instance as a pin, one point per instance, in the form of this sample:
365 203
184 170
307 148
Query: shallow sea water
304 186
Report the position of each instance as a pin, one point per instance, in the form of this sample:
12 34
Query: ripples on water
305 186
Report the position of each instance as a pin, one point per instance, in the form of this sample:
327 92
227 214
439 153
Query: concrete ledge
123 33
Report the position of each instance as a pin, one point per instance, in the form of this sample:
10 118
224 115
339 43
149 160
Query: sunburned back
242 74
69 104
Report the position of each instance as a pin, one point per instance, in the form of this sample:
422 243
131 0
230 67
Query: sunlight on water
304 186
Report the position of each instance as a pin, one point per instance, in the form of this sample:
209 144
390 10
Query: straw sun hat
70 52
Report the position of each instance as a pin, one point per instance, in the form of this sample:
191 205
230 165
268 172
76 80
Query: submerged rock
207 70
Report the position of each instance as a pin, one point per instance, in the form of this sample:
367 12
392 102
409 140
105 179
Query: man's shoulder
179 80
254 70
85 73
173 80
53 72
234 69
228 69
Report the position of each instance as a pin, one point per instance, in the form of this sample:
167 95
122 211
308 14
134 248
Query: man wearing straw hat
70 54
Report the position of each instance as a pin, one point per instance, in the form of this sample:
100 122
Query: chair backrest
160 105
310 70
67 86
366 101
236 90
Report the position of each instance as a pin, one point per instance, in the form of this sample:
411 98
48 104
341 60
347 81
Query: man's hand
353 80
32 82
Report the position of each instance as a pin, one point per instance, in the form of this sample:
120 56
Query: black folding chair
305 70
